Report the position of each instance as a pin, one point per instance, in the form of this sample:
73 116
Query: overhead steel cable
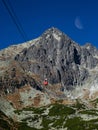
19 23
15 19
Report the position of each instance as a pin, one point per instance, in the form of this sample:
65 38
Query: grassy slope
59 116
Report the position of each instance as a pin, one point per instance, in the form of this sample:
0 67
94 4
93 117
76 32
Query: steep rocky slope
56 57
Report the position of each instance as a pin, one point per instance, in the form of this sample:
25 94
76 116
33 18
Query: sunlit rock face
56 57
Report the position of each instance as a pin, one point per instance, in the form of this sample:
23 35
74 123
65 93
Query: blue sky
76 18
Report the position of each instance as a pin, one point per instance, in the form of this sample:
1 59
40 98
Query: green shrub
79 105
89 112
75 123
61 110
4 124
23 126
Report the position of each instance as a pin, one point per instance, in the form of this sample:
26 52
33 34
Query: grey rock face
12 80
58 58
93 50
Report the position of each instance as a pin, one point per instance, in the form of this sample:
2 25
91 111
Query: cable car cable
13 15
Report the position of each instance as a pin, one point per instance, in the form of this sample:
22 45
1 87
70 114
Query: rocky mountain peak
54 33
58 58
53 30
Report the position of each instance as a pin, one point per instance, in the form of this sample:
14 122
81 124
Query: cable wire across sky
15 19
25 20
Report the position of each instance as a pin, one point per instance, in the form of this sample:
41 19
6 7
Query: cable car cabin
45 82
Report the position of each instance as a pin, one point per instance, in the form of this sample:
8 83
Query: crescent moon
78 23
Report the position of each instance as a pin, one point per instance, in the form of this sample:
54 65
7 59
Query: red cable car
45 82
